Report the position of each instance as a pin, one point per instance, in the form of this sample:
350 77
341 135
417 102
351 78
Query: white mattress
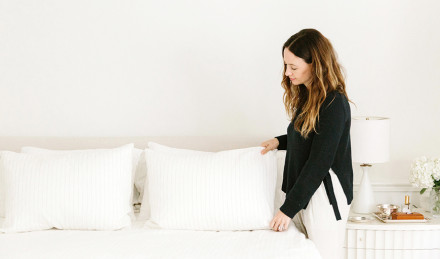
140 242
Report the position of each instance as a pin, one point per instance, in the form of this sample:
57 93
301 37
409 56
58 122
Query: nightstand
378 240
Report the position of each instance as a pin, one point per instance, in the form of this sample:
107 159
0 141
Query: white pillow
138 166
141 180
227 190
280 196
36 150
84 190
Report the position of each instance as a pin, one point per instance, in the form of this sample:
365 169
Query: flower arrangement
425 173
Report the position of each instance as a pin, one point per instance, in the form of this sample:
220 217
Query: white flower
436 170
422 169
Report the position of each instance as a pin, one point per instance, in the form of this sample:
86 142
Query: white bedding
140 242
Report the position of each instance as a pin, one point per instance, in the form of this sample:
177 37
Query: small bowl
359 219
387 209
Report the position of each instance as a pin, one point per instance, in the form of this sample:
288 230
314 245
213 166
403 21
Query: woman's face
297 69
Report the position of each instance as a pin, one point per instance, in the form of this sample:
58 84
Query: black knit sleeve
330 127
283 142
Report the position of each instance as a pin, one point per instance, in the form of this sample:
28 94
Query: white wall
188 68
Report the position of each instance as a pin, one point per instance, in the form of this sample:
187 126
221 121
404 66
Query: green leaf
422 190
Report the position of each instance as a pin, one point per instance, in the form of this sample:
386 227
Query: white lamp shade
370 139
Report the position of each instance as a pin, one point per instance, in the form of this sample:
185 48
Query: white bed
143 242
139 242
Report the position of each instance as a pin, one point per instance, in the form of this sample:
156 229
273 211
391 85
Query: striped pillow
87 190
137 169
227 190
141 175
136 160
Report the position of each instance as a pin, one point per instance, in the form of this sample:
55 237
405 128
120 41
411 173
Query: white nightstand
378 240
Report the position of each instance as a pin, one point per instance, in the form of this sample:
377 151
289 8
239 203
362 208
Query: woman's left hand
280 222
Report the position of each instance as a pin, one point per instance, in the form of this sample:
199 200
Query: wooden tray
378 216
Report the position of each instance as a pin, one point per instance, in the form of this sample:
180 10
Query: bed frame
202 143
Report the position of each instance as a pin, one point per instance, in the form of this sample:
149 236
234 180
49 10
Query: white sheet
139 242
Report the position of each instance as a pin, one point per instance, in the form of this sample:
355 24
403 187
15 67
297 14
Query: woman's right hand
269 145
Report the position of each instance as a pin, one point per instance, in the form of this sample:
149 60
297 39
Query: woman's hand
269 145
280 222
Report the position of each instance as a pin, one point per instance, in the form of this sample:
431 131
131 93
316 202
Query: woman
318 173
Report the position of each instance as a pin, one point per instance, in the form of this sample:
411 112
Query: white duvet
140 242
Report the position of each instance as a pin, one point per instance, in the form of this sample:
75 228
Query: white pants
319 224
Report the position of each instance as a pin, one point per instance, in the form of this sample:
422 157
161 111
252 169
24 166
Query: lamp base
364 202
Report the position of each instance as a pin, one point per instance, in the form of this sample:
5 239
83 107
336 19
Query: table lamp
370 144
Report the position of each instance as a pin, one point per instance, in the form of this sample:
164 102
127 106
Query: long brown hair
304 102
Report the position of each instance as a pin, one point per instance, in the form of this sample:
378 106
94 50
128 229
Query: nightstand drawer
377 240
392 239
390 254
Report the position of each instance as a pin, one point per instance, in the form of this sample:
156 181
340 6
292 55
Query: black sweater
308 161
